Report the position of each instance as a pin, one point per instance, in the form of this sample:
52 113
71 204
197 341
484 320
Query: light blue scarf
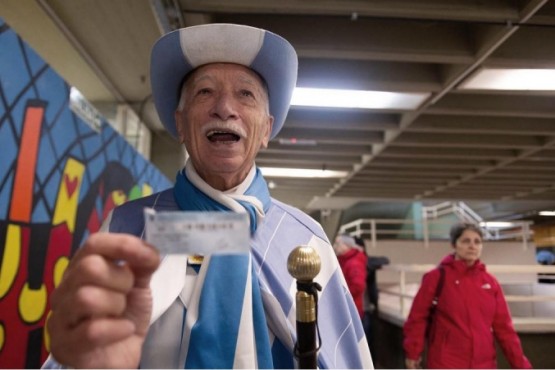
213 339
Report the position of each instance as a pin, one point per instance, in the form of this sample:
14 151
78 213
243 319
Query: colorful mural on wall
59 178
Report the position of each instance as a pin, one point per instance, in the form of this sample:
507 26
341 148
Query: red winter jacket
470 314
353 265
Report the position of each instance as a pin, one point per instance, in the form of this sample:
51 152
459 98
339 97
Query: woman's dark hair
458 229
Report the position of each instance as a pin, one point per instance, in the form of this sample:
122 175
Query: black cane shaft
304 264
306 345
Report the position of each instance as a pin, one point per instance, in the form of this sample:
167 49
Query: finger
90 302
104 331
94 269
124 247
90 333
141 257
87 339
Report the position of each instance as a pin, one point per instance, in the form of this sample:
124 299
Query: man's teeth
210 133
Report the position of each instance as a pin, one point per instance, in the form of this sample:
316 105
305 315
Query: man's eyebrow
250 80
245 78
200 78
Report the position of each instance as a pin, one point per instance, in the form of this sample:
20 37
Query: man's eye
203 91
246 93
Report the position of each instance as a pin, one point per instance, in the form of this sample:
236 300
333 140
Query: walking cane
303 264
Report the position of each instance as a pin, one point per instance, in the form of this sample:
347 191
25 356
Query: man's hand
413 364
102 307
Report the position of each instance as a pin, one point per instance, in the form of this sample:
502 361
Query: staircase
491 230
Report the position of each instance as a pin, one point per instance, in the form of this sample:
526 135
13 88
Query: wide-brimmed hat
179 52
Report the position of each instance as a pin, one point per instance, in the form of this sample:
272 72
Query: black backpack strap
439 286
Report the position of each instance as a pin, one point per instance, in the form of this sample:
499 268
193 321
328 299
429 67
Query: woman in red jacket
470 315
352 260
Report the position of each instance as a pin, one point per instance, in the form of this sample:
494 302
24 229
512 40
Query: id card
180 232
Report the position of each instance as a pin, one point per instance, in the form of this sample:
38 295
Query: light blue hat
179 52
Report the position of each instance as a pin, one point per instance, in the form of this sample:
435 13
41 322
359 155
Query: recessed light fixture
301 172
511 79
334 98
547 213
496 224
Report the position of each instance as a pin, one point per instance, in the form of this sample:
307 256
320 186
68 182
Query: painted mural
59 178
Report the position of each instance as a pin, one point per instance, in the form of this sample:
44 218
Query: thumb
144 265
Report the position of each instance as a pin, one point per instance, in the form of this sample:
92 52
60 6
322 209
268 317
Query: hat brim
179 52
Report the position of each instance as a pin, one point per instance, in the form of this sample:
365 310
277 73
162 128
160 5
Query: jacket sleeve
356 275
414 329
505 333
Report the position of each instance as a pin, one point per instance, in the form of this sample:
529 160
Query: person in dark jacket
352 260
470 315
371 317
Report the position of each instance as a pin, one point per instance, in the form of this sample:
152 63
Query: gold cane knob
304 263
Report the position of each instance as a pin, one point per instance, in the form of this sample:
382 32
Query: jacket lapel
167 282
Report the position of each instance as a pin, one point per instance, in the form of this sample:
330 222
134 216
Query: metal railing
460 209
465 214
375 229
400 290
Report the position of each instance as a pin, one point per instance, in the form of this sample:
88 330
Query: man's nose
224 107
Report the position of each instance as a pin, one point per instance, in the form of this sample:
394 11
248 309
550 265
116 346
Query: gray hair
350 241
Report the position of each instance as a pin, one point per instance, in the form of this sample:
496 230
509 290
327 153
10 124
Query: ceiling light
334 98
547 213
496 224
300 172
80 106
511 79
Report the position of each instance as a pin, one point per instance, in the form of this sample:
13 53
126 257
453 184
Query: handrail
476 218
403 269
437 210
517 269
375 229
463 213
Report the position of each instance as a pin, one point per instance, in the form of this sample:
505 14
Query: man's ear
268 132
179 125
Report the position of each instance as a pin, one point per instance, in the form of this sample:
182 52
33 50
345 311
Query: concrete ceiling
493 150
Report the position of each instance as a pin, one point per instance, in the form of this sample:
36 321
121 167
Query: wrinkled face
468 247
224 123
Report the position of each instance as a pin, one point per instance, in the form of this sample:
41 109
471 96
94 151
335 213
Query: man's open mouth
222 136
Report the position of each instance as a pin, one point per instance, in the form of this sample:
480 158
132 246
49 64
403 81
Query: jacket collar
460 265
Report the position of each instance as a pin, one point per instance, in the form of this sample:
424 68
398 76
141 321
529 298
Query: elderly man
224 91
